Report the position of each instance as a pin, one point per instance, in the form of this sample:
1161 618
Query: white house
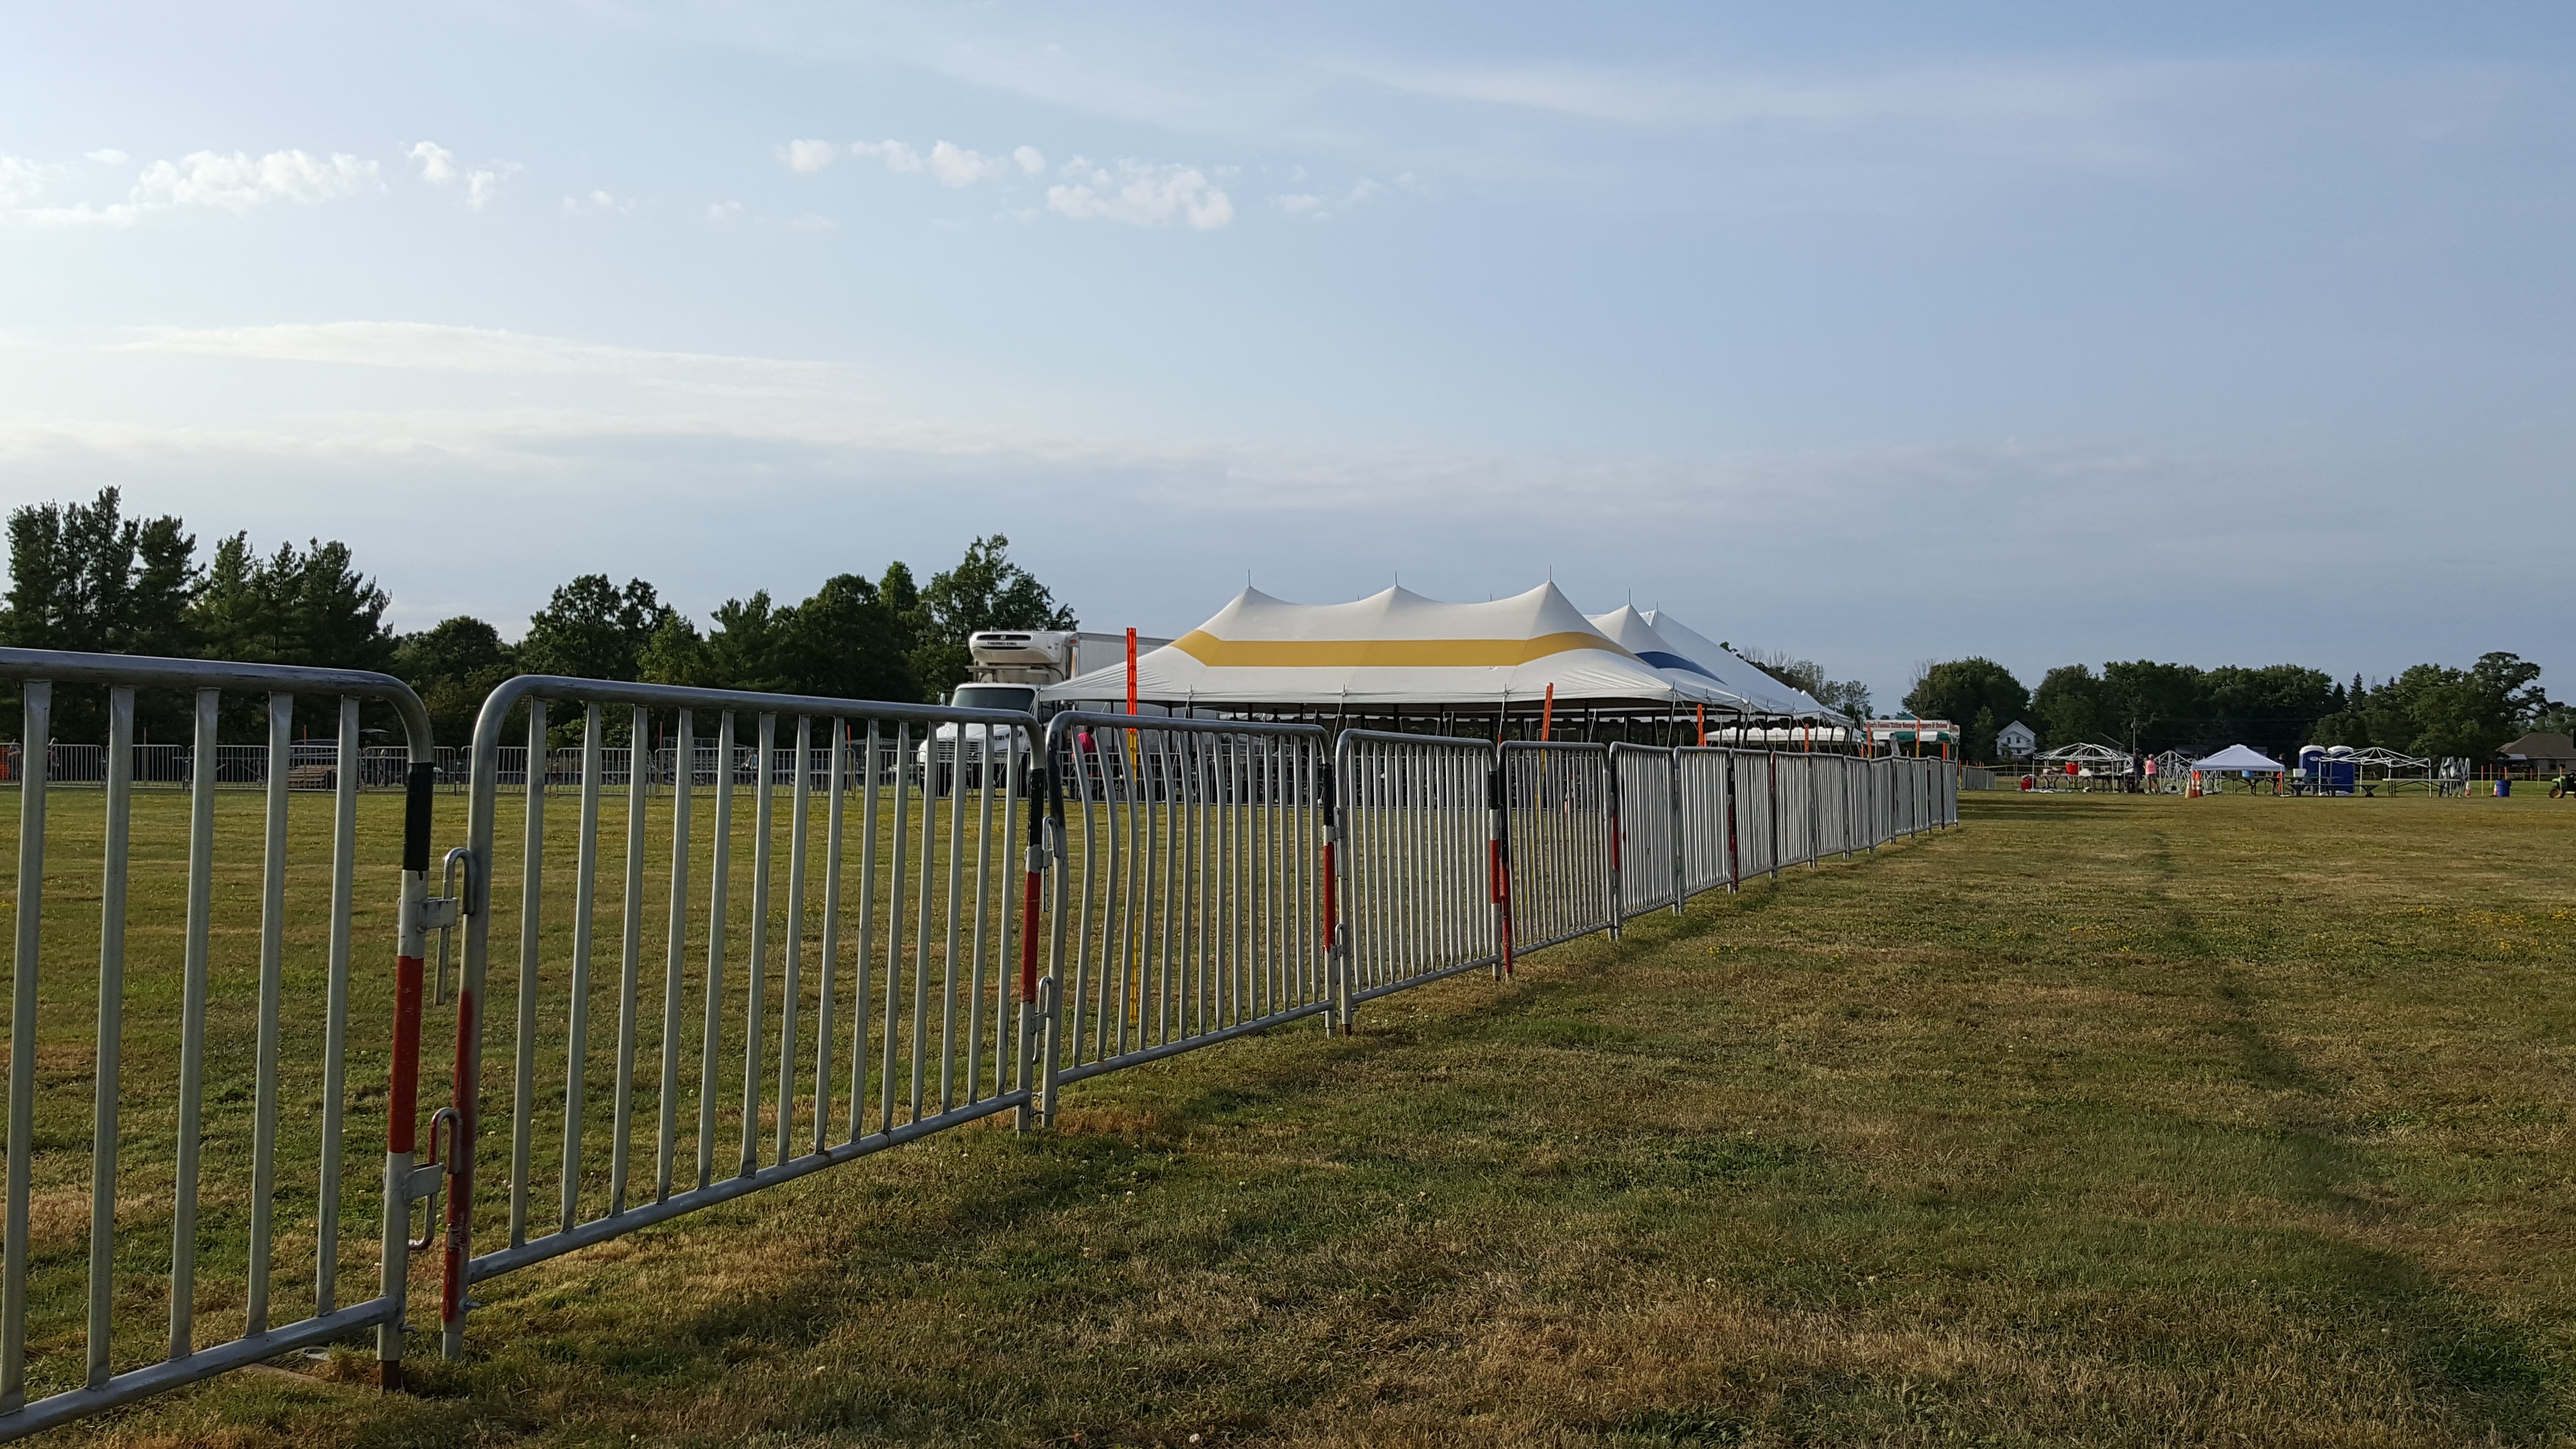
2016 741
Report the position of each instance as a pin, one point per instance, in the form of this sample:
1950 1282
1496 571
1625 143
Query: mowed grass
2097 1120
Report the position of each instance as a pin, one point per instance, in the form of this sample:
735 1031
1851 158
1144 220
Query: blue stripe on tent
1662 660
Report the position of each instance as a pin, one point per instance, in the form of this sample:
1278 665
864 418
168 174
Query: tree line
84 576
2145 707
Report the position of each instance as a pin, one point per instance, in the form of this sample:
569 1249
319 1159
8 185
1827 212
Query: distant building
2539 754
2016 741
1914 736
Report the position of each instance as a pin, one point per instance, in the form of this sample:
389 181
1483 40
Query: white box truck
1006 668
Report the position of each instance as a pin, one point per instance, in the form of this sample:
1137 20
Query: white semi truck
1006 668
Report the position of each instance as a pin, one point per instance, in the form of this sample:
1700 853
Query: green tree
308 606
849 645
749 648
2070 707
591 629
2274 708
85 577
984 591
2152 707
1975 693
305 606
1849 696
676 654
453 666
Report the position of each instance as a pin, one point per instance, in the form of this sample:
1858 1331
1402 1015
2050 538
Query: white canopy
1733 672
1629 630
2241 757
1394 647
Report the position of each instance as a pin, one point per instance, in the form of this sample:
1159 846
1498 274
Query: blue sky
1875 333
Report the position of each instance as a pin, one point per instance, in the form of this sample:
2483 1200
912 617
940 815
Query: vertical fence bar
684 789
830 992
755 978
192 1030
865 963
956 792
791 994
272 966
719 924
335 1026
532 895
631 958
577 1008
111 1034
900 878
37 734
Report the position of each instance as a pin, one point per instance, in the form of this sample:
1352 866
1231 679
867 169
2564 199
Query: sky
1873 333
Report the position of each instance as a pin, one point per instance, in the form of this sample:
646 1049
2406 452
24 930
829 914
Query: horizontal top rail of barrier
225 1180
1189 903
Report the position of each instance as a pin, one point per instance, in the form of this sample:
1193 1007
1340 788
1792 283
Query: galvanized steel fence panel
1757 824
1417 857
852 990
1187 902
1648 863
1704 784
1795 803
1557 804
191 1195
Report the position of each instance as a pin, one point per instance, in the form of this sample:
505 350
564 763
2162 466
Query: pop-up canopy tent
2239 759
1734 673
1394 648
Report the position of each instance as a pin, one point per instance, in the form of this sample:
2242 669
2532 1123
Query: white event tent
1393 648
1735 673
1693 681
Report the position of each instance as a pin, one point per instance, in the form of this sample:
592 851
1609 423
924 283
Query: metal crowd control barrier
1559 814
1757 830
1704 781
920 1036
1649 855
235 1181
1188 901
1796 807
1421 880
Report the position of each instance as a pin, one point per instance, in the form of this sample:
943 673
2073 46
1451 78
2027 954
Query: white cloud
239 182
438 167
808 156
953 165
947 162
596 203
898 156
108 156
1140 195
22 182
1318 207
724 210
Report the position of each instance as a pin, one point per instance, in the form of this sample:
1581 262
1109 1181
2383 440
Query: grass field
2098 1120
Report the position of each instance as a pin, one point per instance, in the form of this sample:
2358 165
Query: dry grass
2098 1121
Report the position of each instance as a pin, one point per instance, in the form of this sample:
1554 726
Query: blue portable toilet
2329 771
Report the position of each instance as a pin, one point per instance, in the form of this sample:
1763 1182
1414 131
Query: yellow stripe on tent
1218 653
